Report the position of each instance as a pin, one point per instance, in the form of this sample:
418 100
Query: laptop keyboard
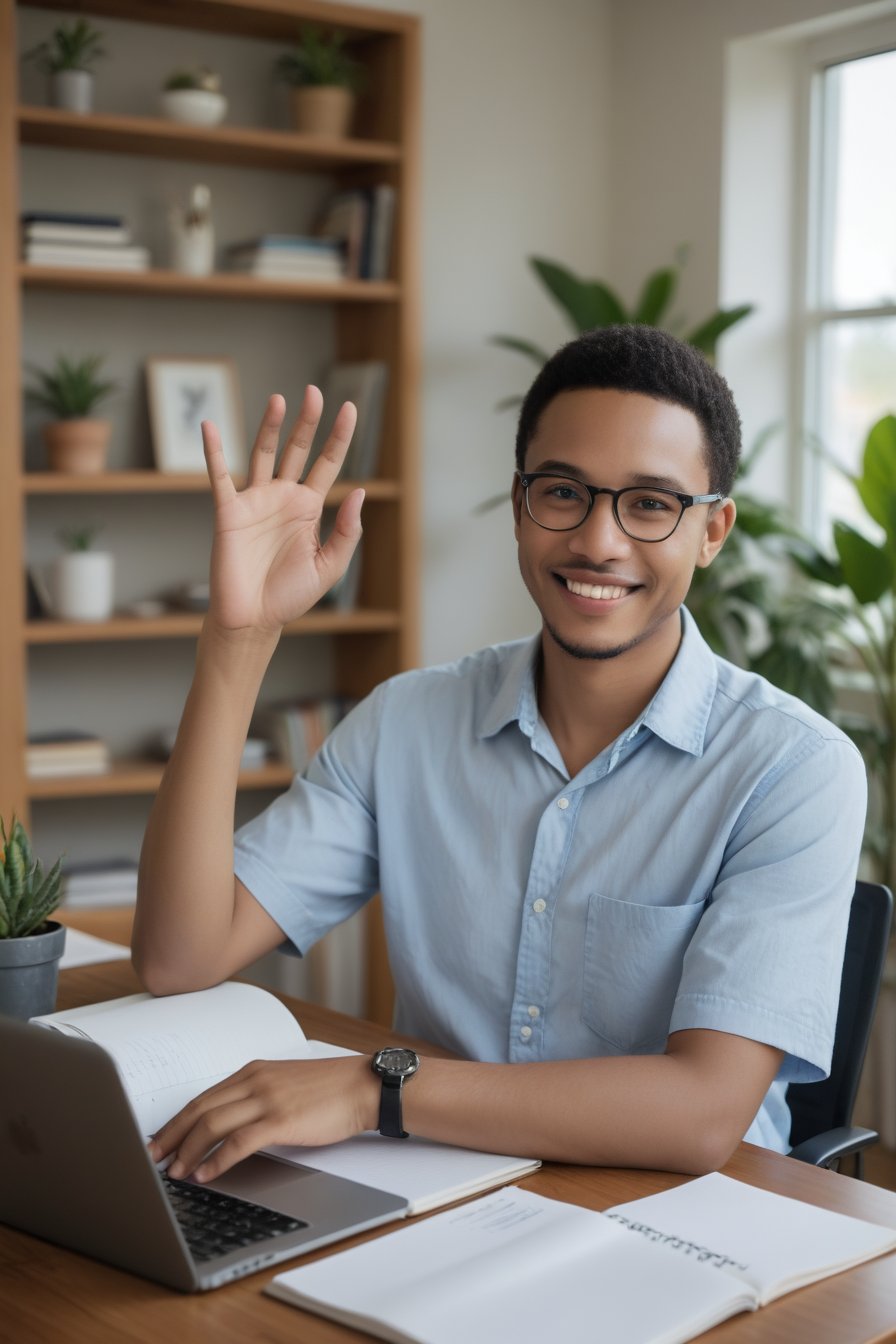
214 1224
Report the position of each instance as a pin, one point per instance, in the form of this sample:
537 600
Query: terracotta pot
323 109
77 446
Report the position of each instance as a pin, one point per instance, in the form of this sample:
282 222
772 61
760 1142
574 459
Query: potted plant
82 580
67 57
71 391
323 79
194 97
30 943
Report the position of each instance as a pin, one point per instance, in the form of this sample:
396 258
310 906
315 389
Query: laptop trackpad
301 1192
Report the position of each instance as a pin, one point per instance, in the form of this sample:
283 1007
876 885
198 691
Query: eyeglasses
561 503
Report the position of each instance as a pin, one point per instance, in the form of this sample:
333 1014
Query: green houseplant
71 392
323 78
194 97
67 57
30 943
587 304
863 600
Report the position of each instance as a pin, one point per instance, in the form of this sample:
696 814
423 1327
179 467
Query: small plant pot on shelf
82 586
72 90
323 109
29 970
78 446
194 107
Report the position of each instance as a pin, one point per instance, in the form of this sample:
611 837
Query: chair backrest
817 1107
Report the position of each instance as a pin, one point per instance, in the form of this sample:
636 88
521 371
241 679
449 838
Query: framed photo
184 391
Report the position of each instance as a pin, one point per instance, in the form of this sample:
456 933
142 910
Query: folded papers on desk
516 1266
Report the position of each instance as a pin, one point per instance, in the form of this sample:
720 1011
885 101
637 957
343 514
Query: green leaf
817 566
877 483
867 569
705 336
508 403
656 296
587 303
521 347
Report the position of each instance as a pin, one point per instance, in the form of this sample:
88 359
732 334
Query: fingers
301 436
332 455
221 483
264 449
336 553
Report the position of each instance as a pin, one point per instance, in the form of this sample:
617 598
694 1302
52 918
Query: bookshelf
256 163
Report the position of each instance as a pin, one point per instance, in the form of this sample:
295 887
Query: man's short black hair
636 358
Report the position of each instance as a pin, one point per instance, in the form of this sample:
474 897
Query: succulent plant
198 78
319 59
27 896
71 389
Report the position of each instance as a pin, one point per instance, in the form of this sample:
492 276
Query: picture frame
184 390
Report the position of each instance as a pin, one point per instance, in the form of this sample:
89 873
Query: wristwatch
393 1065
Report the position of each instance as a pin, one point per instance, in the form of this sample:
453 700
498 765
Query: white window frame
813 312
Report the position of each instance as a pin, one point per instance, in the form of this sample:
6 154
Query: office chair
821 1129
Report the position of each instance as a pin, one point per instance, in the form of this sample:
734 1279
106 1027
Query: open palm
268 564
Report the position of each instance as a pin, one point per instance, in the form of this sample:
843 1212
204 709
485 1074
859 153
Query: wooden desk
49 1294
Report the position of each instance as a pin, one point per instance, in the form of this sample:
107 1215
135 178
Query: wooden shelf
239 146
222 285
170 483
136 777
186 625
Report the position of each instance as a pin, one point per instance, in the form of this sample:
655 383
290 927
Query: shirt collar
678 713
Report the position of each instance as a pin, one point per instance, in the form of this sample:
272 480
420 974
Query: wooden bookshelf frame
379 638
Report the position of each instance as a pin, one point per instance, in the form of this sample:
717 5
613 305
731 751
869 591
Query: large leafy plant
587 304
863 577
27 895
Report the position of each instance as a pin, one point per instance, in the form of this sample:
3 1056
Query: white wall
515 161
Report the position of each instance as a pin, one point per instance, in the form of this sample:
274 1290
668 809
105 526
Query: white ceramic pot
72 90
193 249
82 586
194 107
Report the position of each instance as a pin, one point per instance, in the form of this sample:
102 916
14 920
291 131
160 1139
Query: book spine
75 235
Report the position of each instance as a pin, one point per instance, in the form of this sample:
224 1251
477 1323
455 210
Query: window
849 309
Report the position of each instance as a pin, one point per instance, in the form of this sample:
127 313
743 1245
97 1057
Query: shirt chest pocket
633 961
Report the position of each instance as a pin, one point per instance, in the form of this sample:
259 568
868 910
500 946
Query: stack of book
288 256
362 219
296 729
102 882
88 242
65 753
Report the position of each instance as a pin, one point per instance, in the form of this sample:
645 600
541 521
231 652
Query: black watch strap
390 1108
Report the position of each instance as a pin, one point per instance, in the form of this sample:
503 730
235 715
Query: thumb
337 551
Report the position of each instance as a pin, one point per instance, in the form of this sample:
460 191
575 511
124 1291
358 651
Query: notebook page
769 1241
514 1266
424 1173
168 1050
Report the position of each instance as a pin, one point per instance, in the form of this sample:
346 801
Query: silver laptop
74 1170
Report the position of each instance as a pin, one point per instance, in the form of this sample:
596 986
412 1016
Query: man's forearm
685 1110
185 906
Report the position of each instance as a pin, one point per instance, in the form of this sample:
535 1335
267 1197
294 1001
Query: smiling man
616 870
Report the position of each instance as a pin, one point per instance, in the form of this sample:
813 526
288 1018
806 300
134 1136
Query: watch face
397 1061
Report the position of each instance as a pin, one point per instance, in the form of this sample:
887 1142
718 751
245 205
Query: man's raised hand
268 564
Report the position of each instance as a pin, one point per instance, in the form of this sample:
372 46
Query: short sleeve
311 858
766 959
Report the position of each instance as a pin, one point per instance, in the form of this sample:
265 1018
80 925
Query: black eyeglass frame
686 501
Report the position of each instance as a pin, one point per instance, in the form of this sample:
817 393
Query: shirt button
563 804
539 906
533 1011
525 1032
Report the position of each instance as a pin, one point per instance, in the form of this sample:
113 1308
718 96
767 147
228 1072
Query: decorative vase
323 109
78 446
193 234
82 586
194 107
72 90
29 969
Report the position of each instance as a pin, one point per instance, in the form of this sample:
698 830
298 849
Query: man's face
633 589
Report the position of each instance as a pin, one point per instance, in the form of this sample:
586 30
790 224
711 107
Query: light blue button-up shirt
696 874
